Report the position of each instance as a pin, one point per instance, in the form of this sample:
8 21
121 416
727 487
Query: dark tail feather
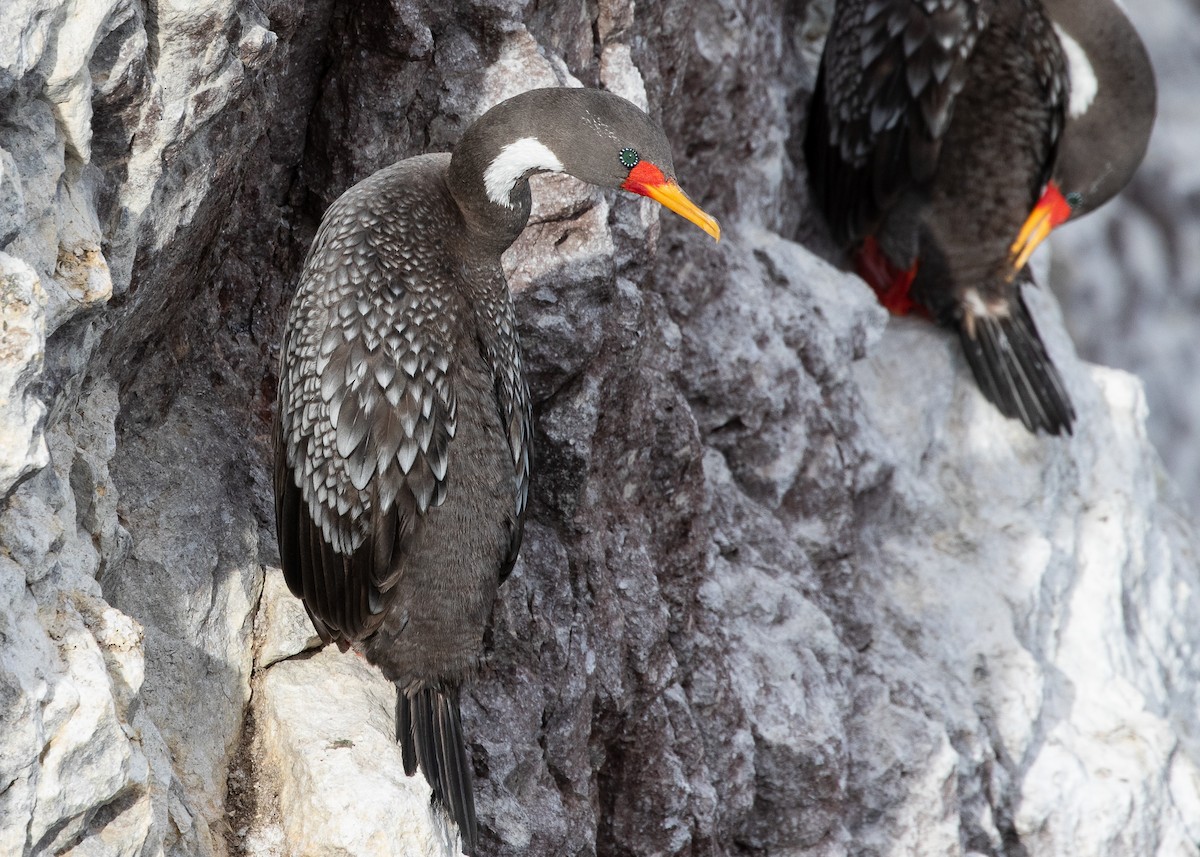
429 729
1013 369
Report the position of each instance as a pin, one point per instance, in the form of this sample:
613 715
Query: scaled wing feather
366 417
884 99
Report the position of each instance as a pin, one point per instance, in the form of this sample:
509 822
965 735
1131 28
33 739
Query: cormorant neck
490 168
1113 98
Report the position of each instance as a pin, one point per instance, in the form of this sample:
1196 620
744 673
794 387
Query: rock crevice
790 585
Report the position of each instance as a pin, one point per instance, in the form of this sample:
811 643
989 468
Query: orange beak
648 180
1052 210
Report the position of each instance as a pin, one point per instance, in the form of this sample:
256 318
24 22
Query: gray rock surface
790 586
22 447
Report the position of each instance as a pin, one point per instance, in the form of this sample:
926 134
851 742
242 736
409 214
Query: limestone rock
790 586
22 447
329 769
281 627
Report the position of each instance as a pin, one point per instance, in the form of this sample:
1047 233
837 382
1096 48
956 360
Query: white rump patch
1084 85
979 308
515 160
975 303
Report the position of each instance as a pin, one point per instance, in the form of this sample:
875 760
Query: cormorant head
593 135
1109 116
1112 106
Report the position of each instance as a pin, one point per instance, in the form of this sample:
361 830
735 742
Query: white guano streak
515 160
1084 85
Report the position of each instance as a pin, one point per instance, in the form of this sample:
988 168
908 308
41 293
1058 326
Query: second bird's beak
1051 210
648 180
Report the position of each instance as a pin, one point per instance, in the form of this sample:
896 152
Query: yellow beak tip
670 196
1036 229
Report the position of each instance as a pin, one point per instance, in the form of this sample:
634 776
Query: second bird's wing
883 101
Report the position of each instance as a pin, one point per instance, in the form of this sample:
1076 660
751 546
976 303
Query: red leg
891 284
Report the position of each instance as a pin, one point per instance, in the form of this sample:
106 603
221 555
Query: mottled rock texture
790 586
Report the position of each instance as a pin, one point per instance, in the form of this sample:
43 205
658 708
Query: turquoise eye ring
629 158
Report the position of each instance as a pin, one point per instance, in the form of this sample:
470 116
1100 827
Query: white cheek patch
515 160
1084 85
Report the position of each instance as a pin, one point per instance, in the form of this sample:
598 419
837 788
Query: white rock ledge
790 587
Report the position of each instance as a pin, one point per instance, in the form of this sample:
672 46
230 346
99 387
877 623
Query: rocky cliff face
790 586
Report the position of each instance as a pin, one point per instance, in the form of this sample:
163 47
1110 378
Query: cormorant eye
629 158
1073 199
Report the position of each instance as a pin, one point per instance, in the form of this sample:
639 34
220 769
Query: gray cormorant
946 138
402 438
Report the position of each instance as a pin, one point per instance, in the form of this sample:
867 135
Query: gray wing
501 347
365 418
884 99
